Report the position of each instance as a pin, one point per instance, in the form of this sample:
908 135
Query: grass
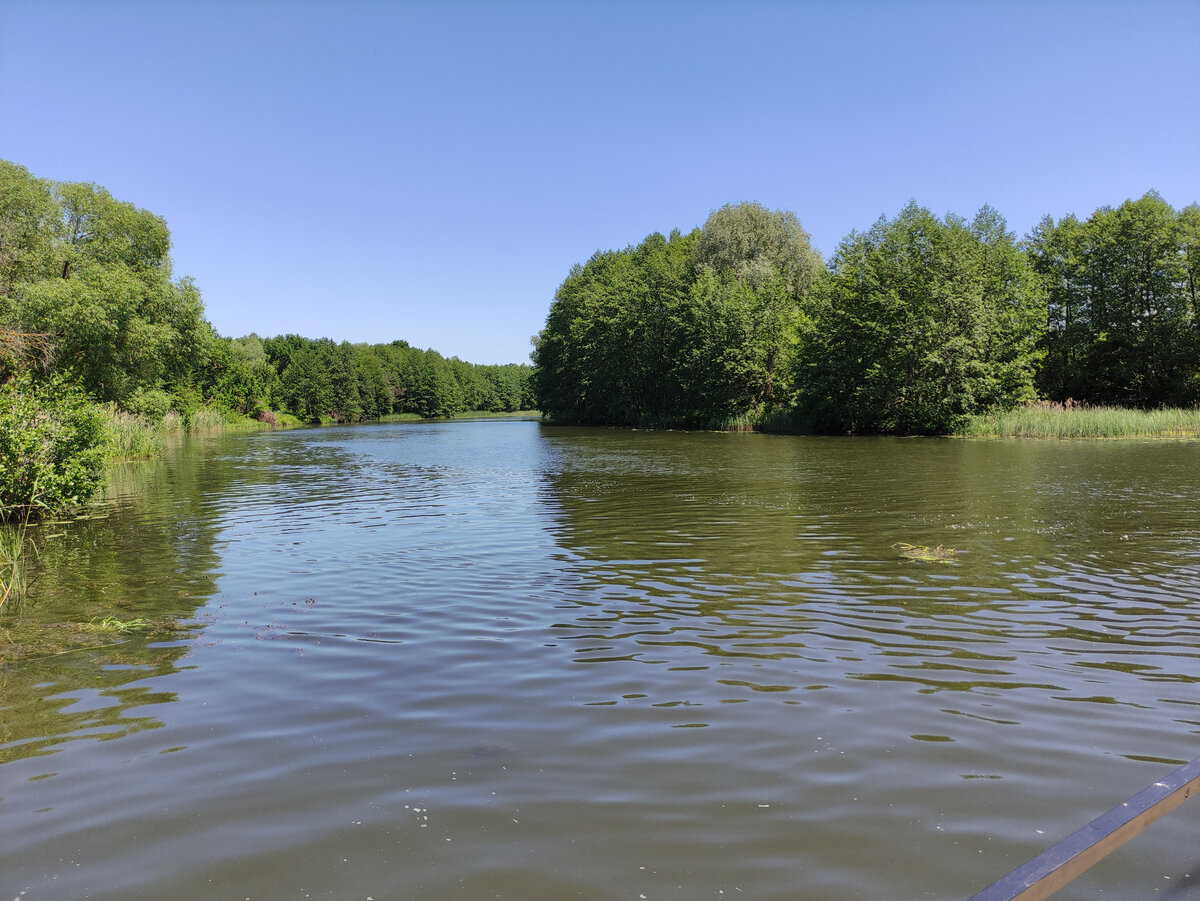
1047 420
14 576
130 436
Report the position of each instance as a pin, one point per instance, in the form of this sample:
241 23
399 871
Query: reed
14 573
209 420
129 436
1046 420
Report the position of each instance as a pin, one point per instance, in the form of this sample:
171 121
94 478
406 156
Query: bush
51 447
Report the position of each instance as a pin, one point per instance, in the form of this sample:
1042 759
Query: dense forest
913 326
93 322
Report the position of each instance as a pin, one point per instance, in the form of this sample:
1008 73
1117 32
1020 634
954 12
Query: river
476 660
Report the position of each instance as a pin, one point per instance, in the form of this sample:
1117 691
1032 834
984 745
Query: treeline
93 321
320 380
87 291
914 325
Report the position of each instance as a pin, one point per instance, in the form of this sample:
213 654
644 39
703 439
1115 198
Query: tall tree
1122 323
925 322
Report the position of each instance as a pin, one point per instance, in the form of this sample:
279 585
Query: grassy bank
129 436
1045 420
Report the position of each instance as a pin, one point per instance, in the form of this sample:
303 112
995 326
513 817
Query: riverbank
471 414
130 436
1047 420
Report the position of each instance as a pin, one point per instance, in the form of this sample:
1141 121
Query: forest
96 331
913 326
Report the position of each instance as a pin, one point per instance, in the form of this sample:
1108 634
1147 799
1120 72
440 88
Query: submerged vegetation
921 554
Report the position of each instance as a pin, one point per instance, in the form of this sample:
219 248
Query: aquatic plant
923 554
131 436
14 575
116 624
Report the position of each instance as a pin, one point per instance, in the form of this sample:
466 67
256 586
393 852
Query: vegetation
920 325
1050 420
1122 320
50 447
691 330
14 578
924 322
920 553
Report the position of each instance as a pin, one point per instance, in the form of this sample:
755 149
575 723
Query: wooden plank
1058 865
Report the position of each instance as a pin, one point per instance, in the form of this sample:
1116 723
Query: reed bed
128 436
1045 420
14 574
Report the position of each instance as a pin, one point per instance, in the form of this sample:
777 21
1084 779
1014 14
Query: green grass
132 436
14 577
128 436
1045 420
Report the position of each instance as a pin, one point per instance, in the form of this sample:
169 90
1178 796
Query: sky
430 171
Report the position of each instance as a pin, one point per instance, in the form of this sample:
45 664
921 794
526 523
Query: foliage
51 447
923 323
1122 304
758 246
691 330
95 274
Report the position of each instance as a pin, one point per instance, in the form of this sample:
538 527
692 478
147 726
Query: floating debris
923 554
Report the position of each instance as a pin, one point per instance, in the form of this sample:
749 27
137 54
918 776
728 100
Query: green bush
51 447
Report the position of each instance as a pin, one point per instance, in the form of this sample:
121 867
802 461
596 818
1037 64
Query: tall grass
14 574
128 436
1045 420
132 436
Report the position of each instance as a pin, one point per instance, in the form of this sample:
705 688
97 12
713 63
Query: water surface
505 660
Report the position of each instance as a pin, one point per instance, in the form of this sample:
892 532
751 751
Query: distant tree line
914 324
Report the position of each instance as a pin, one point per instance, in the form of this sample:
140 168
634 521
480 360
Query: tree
1122 291
759 245
924 322
30 227
119 322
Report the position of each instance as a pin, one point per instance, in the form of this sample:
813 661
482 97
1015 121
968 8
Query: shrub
51 447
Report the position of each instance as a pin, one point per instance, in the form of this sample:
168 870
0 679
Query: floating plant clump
923 554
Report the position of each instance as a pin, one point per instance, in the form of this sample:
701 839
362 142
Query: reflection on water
479 660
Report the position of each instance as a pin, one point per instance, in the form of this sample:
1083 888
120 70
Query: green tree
120 324
1122 319
30 227
924 322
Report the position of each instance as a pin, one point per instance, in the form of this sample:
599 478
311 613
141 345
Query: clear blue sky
430 171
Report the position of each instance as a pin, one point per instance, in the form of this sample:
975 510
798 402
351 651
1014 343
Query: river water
479 660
